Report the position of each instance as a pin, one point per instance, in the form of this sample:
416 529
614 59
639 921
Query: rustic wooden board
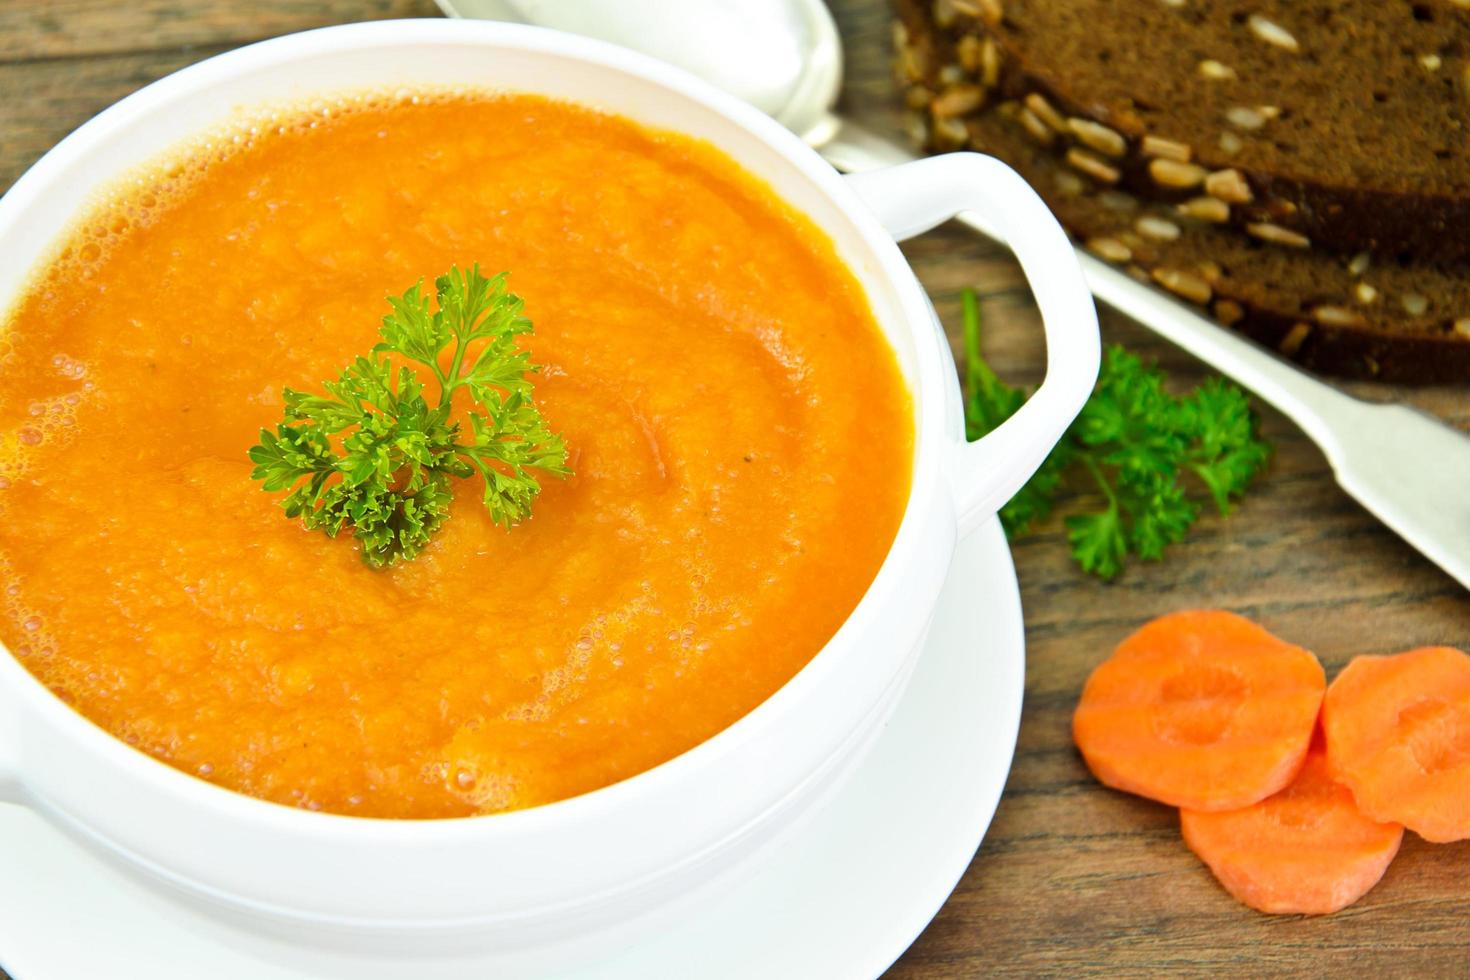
36 29
1072 879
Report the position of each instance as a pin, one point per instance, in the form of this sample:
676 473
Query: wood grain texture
32 30
63 61
1073 879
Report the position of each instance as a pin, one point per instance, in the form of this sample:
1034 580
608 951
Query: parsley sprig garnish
1135 443
374 455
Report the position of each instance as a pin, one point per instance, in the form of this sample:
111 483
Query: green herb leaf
1226 454
991 401
1135 443
1098 541
372 454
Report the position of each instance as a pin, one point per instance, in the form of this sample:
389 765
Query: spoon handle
1408 469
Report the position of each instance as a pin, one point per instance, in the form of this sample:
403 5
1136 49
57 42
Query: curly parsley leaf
991 401
374 455
1136 444
1226 455
1098 541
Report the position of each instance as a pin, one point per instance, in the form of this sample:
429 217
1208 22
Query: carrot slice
1200 709
1398 736
1306 850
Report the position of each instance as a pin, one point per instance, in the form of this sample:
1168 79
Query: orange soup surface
740 434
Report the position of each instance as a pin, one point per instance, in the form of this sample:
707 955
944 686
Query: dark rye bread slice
1357 316
1348 121
1310 306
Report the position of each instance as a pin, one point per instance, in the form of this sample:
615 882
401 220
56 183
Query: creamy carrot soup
740 436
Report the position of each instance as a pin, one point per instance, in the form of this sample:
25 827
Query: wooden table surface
1072 879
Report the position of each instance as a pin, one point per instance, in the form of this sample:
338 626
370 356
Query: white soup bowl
544 874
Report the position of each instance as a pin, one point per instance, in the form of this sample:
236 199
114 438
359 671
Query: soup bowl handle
912 198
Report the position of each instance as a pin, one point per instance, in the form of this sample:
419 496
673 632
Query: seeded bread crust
1358 316
1161 95
1307 305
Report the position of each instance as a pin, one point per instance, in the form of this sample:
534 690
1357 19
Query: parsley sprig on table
1138 445
375 455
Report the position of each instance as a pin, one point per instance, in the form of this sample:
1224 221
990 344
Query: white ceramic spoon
785 57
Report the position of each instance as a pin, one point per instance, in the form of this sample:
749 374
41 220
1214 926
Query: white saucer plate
843 897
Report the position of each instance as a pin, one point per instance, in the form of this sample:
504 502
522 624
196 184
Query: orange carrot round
1200 709
1306 850
1398 736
